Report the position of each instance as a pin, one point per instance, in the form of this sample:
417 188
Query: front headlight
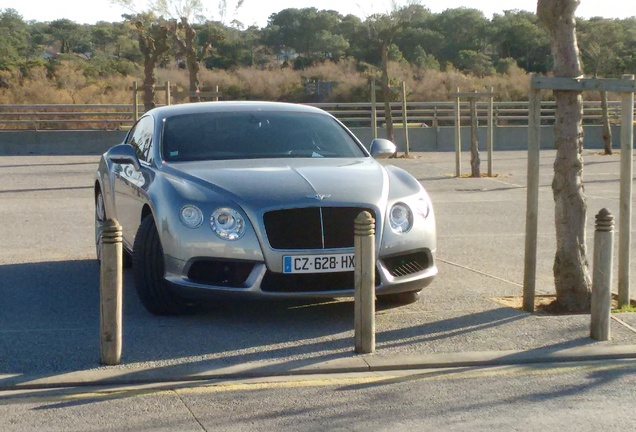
401 218
227 223
191 216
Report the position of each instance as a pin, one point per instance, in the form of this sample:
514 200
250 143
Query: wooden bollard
602 276
364 276
110 289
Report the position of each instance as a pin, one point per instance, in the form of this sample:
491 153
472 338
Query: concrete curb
190 373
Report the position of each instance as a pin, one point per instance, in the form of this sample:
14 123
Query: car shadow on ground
49 325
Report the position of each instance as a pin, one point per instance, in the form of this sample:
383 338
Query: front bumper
204 276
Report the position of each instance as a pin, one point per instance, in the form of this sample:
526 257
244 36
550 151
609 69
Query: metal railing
425 114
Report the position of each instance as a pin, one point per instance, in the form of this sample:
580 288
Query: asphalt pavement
49 289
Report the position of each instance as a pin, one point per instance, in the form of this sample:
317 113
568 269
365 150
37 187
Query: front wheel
148 268
100 218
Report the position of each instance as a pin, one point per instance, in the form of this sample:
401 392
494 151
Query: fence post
364 276
110 289
135 89
168 96
405 120
602 277
491 136
625 221
458 137
374 112
474 140
532 199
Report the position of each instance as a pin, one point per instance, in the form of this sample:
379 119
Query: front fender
166 198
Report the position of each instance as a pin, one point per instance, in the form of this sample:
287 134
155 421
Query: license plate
318 263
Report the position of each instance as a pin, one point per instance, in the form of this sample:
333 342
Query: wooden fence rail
425 114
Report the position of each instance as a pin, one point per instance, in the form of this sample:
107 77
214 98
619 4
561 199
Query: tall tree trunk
153 43
475 161
607 131
191 61
571 273
149 85
386 92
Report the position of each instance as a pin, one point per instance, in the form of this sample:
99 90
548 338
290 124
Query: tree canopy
457 39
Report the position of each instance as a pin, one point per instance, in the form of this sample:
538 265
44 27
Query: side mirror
382 148
123 154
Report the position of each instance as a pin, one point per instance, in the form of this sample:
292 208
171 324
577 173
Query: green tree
519 35
424 60
602 44
382 32
236 48
462 29
475 63
354 31
313 34
69 34
14 42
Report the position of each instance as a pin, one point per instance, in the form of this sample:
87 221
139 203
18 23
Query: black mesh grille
312 227
220 273
404 265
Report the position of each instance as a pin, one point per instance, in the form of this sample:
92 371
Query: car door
131 184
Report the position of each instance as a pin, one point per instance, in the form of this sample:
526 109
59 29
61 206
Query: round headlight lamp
400 218
191 216
227 223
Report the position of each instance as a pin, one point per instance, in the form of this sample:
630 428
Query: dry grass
66 82
546 304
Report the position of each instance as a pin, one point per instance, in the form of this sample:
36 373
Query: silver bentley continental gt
259 199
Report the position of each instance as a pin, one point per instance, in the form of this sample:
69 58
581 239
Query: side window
140 138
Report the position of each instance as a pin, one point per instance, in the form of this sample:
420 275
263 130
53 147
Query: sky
257 11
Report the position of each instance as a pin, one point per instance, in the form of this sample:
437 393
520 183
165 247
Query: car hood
262 184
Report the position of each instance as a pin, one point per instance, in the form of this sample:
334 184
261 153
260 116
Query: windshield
255 134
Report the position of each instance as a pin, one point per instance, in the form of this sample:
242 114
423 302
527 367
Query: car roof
231 106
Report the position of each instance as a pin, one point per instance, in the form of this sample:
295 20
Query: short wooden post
374 111
458 137
135 90
405 120
474 140
602 277
491 135
532 199
364 277
625 221
168 96
607 130
110 289
216 90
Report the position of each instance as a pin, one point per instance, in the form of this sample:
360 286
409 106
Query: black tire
400 298
100 218
126 259
148 268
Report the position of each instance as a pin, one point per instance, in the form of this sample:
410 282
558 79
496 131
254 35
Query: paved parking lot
49 282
